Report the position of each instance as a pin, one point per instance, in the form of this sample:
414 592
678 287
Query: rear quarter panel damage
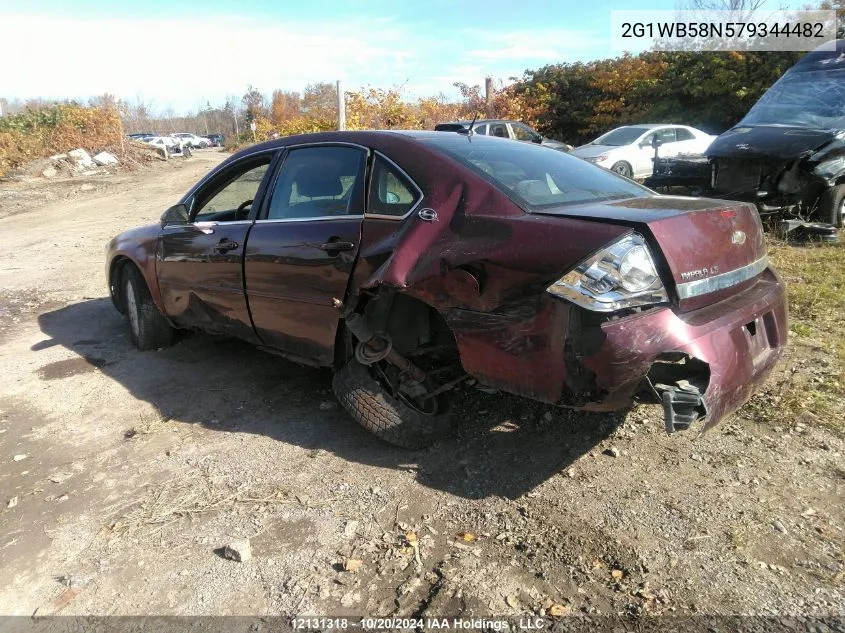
484 264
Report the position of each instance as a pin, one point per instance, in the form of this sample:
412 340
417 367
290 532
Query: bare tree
232 108
739 10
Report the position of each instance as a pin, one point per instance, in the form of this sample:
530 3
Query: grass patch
815 378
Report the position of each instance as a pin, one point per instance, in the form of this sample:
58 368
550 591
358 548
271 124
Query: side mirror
177 214
538 139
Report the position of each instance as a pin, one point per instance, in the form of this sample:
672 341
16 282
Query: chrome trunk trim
700 287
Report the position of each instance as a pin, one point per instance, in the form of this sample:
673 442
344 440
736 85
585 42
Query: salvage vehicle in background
501 128
629 150
216 140
168 144
409 261
787 155
192 140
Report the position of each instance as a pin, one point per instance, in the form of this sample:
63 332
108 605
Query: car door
524 133
499 129
302 249
200 264
644 166
691 141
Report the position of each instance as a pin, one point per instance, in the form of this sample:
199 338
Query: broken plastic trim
681 408
679 381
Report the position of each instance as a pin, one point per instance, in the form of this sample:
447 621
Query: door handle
225 245
337 246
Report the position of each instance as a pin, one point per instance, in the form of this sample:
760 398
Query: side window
316 182
390 192
683 134
498 129
522 132
480 129
666 135
229 198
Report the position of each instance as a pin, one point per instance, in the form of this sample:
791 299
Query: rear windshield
449 127
537 177
620 136
812 99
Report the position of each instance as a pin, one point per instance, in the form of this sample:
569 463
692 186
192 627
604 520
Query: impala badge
738 238
428 215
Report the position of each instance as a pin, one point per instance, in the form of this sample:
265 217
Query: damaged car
787 155
409 262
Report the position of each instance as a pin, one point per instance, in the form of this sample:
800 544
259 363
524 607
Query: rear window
536 177
449 127
620 136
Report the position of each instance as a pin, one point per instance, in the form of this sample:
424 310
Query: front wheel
203 145
623 169
148 328
396 419
832 206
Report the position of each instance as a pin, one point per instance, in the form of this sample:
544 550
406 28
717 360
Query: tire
203 145
148 328
388 418
832 206
623 169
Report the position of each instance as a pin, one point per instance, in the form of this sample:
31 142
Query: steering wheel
241 208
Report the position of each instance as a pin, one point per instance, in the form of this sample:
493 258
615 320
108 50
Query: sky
181 54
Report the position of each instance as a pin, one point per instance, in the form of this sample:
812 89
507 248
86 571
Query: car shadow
504 445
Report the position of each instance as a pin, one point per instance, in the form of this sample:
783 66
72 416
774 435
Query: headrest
533 189
313 181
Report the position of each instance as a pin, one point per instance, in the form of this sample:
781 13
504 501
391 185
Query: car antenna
469 131
474 119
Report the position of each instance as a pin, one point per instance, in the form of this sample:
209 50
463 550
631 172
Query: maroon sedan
410 261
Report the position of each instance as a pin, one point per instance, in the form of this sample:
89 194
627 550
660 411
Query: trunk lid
710 248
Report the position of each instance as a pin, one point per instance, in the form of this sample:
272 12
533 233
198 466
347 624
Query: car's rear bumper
558 353
739 339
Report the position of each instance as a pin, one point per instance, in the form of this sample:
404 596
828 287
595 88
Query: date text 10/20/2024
392 624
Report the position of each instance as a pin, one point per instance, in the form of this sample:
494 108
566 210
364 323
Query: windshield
620 136
812 99
537 177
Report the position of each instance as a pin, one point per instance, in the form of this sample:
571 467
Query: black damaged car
788 154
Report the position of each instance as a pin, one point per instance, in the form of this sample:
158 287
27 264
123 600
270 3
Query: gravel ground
123 475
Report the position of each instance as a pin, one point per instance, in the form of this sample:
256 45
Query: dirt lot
123 474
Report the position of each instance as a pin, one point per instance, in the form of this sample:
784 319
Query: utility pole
488 96
341 107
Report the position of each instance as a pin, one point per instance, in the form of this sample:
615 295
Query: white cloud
181 63
540 44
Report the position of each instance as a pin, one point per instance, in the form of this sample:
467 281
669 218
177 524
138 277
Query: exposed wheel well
116 271
415 327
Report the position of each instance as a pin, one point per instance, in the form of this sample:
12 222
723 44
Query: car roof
479 121
367 138
648 125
